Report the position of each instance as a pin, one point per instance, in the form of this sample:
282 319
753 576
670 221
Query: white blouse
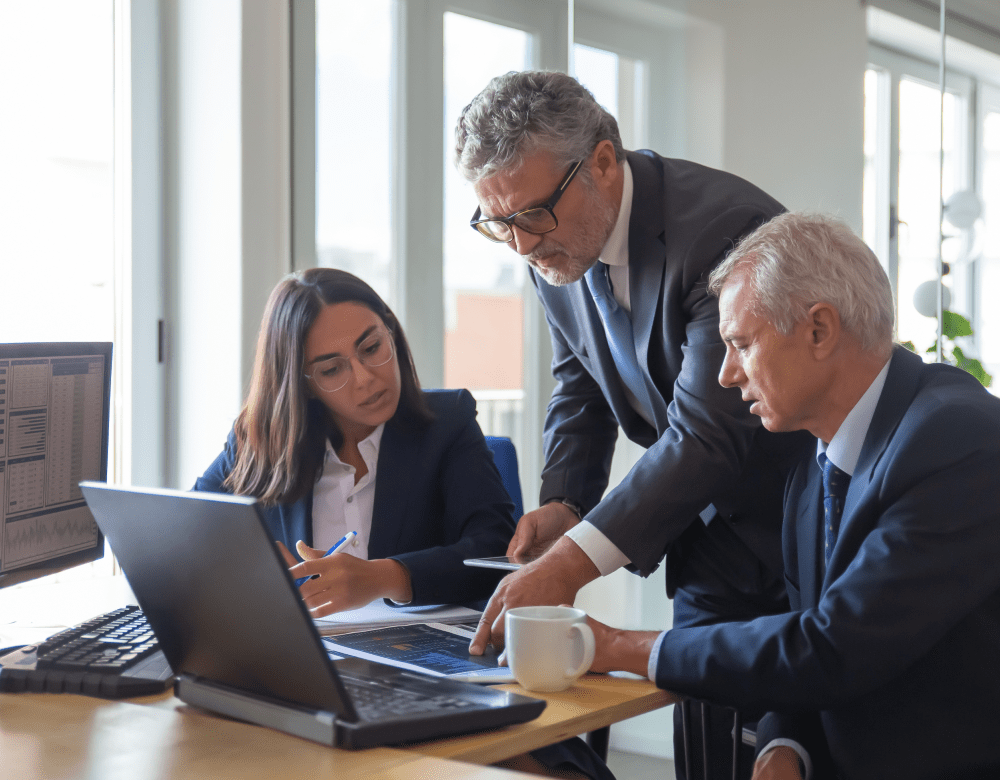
340 506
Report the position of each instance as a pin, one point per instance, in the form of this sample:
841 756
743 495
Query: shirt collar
368 447
615 251
844 448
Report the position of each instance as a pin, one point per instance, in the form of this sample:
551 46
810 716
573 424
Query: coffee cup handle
587 637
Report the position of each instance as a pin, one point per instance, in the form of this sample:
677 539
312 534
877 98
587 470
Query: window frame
893 67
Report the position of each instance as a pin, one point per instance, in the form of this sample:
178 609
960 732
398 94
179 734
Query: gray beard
573 271
589 243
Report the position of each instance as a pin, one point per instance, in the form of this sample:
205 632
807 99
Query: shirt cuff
807 767
605 555
654 656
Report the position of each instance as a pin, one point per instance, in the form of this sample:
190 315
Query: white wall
792 105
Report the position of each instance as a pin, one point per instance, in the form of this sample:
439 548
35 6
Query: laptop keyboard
377 701
95 658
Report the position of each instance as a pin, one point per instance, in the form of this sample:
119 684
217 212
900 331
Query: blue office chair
505 456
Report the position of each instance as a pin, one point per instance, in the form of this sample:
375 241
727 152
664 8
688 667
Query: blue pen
346 539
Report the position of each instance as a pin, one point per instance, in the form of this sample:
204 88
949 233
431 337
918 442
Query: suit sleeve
476 521
919 589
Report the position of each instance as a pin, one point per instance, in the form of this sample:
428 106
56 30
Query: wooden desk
64 737
594 701
67 737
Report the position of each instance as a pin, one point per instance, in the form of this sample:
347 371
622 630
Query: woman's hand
340 581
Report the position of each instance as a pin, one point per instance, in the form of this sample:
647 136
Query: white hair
797 260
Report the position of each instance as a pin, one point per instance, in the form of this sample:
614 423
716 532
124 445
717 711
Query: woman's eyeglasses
334 373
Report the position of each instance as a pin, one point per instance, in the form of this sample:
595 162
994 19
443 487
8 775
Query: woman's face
371 393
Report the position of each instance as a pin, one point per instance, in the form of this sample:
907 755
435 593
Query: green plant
955 326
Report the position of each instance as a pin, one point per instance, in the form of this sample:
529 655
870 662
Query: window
905 182
56 165
619 84
986 243
390 207
354 157
484 283
57 198
919 196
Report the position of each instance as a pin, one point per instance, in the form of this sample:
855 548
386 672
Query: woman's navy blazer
438 500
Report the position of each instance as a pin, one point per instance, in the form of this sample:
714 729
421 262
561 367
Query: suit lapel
900 386
646 264
809 530
397 458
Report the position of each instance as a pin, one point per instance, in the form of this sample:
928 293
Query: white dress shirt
605 555
339 505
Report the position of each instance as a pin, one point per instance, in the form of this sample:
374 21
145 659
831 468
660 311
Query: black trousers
720 581
575 754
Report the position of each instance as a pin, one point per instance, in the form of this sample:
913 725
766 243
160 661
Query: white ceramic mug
548 647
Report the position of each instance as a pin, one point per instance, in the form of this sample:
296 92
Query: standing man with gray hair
619 246
886 665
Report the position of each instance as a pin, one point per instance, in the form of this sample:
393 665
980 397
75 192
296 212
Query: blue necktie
835 484
618 327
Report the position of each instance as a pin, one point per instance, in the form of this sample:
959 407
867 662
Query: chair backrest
505 457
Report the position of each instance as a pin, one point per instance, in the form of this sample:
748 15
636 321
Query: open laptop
229 619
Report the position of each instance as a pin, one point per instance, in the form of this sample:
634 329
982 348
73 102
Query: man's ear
824 329
603 165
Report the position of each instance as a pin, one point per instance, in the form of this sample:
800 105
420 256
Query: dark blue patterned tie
618 327
835 483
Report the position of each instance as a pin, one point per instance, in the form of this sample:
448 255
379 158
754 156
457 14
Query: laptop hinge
315 725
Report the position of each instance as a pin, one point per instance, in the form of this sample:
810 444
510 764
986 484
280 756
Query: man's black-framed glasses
537 219
334 373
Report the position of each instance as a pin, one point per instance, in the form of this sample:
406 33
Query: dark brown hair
281 432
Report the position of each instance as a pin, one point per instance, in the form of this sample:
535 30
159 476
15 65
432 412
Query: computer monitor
55 406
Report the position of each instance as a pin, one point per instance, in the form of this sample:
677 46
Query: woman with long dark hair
336 436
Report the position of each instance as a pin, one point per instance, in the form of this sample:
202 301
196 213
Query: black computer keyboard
375 700
112 656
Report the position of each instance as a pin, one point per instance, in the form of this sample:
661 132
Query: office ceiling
983 14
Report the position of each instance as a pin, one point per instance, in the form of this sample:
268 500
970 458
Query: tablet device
501 562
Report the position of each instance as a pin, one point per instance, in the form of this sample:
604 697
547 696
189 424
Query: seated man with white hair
886 665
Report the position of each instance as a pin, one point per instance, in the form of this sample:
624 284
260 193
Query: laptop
229 619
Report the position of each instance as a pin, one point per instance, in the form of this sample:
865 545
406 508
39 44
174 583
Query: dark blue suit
888 663
438 500
705 446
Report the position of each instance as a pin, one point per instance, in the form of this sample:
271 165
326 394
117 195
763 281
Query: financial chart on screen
54 412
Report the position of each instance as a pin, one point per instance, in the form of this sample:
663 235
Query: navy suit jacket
887 665
438 500
705 446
